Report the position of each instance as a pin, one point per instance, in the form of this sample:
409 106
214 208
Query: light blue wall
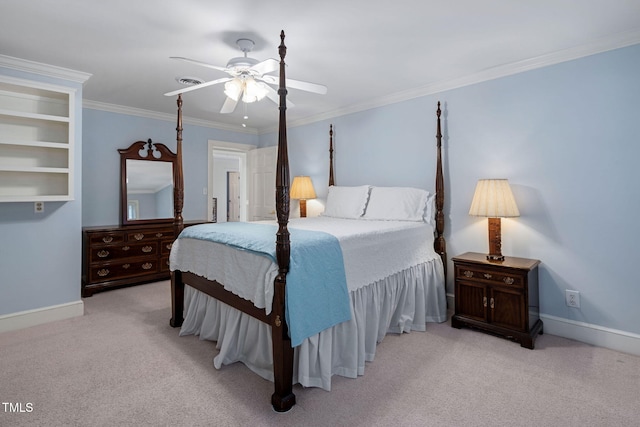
566 137
106 132
39 253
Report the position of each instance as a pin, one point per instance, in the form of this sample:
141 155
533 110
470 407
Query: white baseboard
614 339
39 316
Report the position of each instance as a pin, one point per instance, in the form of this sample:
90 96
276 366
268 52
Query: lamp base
495 240
303 208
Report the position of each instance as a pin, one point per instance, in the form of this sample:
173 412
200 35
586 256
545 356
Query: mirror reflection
149 189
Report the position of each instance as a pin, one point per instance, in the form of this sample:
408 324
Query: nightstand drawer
489 276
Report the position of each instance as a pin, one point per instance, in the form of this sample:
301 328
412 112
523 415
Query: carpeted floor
122 364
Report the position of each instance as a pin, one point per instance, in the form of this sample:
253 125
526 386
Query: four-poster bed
269 315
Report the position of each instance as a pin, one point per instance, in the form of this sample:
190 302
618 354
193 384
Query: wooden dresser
116 256
500 298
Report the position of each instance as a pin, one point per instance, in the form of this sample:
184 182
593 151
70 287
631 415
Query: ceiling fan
248 80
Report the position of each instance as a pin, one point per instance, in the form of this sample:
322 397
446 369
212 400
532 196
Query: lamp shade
493 198
302 188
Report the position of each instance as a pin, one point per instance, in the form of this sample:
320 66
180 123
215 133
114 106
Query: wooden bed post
282 398
177 285
178 180
440 244
331 179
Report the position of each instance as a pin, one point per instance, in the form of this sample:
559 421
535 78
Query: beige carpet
122 364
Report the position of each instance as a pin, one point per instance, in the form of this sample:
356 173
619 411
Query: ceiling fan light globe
233 88
254 91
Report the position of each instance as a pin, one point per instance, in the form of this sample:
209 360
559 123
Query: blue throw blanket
316 294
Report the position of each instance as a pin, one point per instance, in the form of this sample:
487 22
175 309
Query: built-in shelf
36 141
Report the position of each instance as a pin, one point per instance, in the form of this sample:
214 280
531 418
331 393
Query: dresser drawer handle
138 236
158 234
508 280
126 248
492 303
107 239
487 276
126 266
468 273
103 254
484 301
147 249
147 266
103 272
169 245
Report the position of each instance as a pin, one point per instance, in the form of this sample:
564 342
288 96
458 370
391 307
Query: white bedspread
395 282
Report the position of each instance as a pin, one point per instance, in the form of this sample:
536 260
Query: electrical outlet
572 298
38 207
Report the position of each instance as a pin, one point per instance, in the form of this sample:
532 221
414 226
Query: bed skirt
402 302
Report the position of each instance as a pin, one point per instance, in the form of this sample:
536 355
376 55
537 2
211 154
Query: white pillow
346 202
430 211
397 203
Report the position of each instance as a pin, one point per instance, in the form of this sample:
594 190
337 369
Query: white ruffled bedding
395 280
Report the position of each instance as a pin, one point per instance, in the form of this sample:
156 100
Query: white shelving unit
36 141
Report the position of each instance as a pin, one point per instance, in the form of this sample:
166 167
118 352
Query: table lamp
493 199
302 189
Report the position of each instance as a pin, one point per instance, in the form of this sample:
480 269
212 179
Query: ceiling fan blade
273 95
229 106
306 86
267 66
200 86
296 84
204 64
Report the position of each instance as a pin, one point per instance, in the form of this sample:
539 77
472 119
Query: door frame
228 149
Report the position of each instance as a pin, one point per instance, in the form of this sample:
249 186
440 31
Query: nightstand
500 298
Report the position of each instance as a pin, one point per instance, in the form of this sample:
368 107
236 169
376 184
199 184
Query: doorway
225 157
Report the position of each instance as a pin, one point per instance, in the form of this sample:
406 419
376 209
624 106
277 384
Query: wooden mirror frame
133 153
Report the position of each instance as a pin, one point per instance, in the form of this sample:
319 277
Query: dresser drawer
119 270
165 247
489 276
114 252
148 235
106 238
164 264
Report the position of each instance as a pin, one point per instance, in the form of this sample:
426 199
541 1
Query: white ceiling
368 53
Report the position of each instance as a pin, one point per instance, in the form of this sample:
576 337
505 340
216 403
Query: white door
233 194
262 183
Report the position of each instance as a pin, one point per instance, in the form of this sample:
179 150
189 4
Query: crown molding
616 41
43 69
131 111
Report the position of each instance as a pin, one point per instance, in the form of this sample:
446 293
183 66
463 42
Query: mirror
147 173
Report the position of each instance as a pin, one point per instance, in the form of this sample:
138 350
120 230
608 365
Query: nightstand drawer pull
147 266
509 280
487 276
138 236
492 303
484 301
107 239
103 254
103 272
147 249
468 273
